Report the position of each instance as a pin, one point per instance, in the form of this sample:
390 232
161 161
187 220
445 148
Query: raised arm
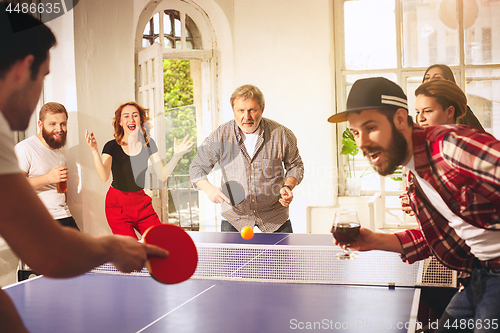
102 166
56 251
162 171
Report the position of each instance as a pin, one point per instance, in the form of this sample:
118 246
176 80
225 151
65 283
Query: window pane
167 43
146 29
350 79
482 88
188 31
156 24
412 83
166 24
189 45
481 25
178 44
145 42
177 28
370 48
193 34
430 34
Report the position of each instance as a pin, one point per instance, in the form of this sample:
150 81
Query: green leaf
398 171
349 146
347 134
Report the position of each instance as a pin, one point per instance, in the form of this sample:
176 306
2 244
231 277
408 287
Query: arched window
176 79
169 31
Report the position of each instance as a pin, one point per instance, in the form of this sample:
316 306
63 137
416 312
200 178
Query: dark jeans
68 222
286 228
477 308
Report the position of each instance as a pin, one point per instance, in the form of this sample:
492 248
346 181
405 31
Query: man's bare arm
214 193
10 321
56 251
56 175
369 240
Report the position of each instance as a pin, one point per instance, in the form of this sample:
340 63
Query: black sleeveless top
129 172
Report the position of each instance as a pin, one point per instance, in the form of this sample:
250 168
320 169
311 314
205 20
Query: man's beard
51 142
396 153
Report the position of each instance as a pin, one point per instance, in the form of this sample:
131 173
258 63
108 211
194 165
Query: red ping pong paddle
182 260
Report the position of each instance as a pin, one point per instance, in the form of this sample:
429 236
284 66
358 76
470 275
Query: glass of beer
345 229
62 187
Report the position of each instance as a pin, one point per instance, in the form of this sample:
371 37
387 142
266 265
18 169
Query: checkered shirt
261 176
463 165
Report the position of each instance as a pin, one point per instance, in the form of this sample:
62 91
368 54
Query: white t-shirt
8 160
483 243
36 159
251 141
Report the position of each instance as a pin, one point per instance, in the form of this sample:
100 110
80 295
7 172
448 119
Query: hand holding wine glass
345 229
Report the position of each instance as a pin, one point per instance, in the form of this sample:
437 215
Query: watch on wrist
289 187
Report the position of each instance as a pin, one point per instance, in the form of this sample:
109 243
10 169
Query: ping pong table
121 303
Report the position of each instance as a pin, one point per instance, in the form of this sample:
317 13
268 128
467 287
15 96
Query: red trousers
129 211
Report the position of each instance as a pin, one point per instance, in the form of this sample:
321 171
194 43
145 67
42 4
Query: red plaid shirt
463 165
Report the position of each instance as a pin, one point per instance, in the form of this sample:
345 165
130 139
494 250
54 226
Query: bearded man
454 190
42 159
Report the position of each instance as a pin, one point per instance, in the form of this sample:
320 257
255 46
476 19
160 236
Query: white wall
60 86
104 54
283 47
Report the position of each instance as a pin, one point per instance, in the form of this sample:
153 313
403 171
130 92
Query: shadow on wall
89 190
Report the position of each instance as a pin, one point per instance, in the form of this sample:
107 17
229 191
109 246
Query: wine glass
345 229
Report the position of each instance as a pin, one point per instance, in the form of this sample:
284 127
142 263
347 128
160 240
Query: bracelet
288 187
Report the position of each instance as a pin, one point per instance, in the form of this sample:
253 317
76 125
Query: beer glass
62 187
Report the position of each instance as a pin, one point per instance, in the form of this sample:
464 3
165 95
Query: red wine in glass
346 232
345 229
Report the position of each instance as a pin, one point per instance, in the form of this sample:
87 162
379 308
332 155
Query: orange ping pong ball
247 233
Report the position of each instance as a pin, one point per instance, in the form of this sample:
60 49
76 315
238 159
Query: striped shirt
463 165
261 175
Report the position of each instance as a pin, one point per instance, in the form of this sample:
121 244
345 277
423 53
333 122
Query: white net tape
310 264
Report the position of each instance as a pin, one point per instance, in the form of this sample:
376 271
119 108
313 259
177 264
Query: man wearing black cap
454 189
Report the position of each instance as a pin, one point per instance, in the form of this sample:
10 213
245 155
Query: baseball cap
372 93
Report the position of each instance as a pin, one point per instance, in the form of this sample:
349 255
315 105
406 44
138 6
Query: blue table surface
118 303
124 303
262 238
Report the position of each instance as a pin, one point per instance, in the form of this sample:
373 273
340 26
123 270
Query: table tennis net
309 264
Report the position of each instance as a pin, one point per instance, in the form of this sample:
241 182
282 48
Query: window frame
402 73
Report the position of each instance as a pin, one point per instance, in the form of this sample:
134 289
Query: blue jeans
478 305
225 226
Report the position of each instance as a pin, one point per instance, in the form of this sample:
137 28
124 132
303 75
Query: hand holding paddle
128 255
182 258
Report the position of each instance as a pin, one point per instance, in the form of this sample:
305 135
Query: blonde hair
446 93
248 91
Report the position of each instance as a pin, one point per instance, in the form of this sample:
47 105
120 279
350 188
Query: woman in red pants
128 208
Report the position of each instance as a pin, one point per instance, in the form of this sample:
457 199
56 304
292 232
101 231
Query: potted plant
350 148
